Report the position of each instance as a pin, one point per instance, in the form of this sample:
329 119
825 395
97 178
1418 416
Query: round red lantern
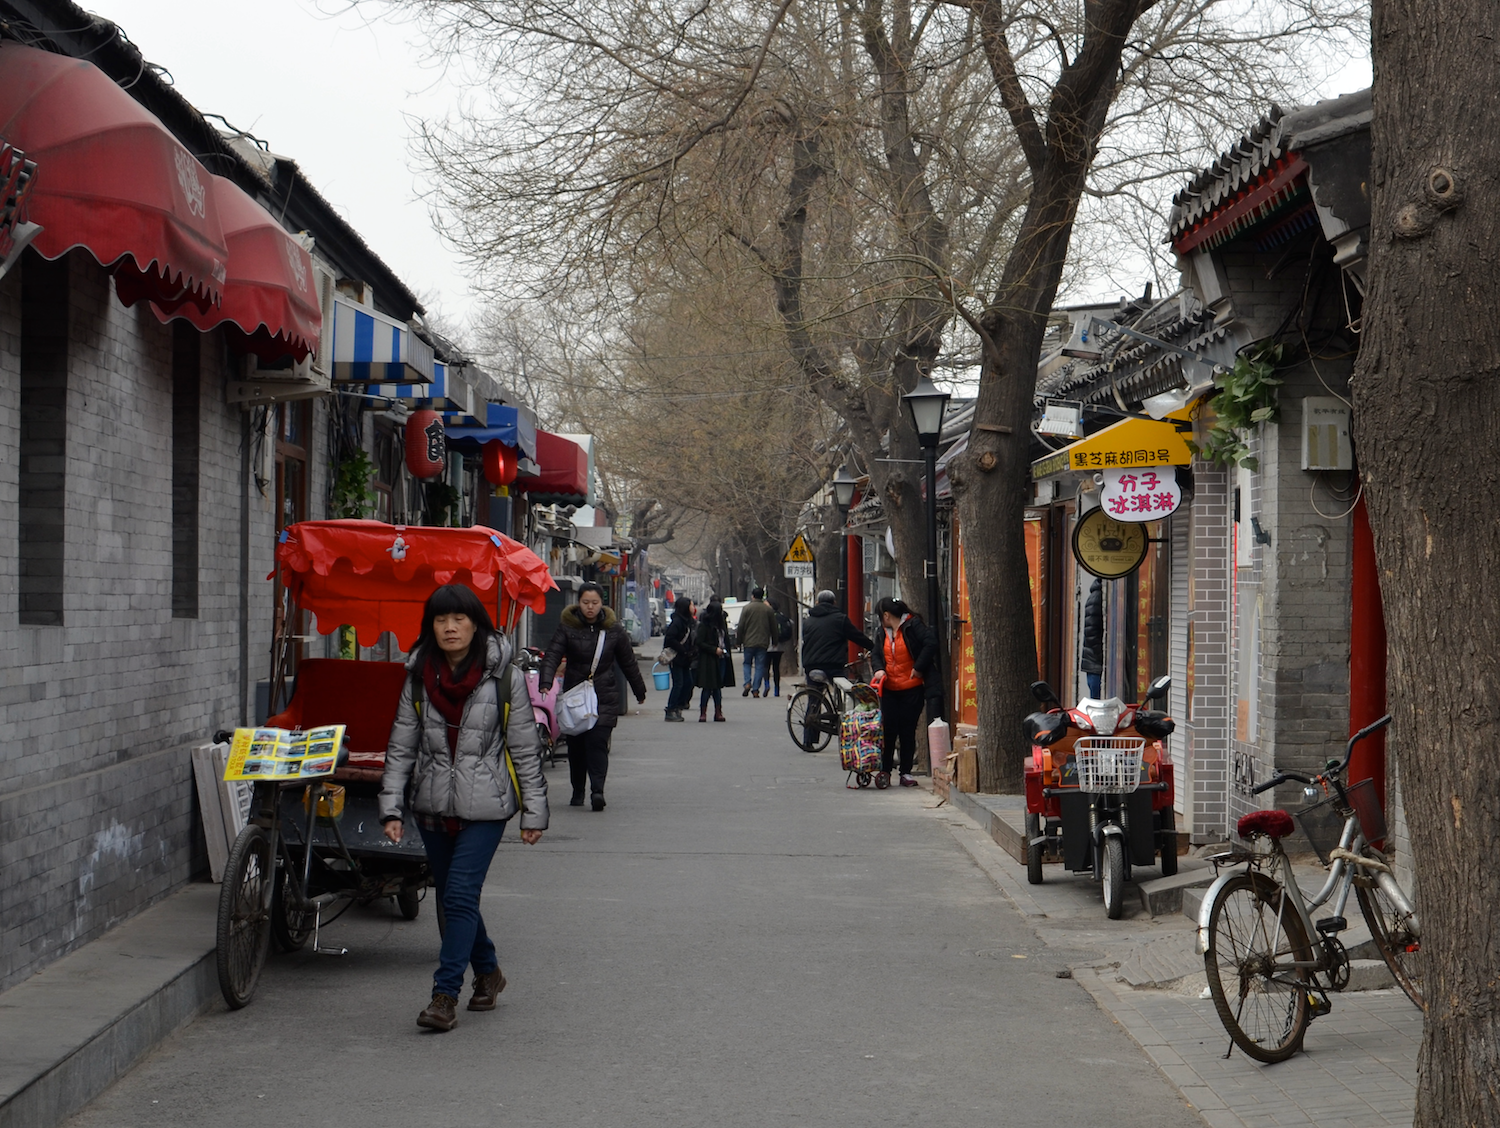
499 463
426 444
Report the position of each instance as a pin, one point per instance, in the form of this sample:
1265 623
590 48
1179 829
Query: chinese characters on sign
1140 495
1102 459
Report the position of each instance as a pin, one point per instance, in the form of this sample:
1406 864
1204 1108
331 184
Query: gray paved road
737 940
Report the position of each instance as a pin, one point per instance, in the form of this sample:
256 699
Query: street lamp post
926 404
844 484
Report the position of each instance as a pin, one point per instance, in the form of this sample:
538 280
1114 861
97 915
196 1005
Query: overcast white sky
330 92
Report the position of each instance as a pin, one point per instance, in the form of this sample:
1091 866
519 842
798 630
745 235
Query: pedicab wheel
1114 876
1033 849
290 927
409 901
1168 842
862 779
882 780
244 927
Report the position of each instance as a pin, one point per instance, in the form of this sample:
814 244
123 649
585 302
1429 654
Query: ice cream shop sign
1140 494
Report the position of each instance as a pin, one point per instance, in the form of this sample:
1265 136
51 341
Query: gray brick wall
97 808
1206 747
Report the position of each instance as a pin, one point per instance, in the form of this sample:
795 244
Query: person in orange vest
906 678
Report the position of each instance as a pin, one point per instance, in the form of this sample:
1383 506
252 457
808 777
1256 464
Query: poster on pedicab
273 753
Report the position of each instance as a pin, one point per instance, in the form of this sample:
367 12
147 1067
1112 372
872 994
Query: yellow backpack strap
510 765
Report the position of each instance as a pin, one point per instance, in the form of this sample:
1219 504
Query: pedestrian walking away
1091 653
905 667
757 630
713 644
785 628
465 738
679 639
577 640
826 634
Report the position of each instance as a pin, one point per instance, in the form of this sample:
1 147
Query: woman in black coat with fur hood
576 640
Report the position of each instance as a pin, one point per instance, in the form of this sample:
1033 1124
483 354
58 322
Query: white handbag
578 708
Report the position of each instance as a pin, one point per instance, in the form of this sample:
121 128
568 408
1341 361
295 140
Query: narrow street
736 940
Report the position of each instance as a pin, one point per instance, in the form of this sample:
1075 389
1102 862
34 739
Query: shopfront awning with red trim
270 292
110 178
564 472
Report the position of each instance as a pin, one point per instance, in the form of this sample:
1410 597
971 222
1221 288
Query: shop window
42 484
1148 591
387 473
186 382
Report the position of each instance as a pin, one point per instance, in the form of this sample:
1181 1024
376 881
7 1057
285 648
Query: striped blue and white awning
513 426
448 391
369 347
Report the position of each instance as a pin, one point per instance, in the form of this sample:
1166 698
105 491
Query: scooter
1099 789
543 705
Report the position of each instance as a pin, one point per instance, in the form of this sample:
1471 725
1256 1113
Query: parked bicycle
1270 965
815 712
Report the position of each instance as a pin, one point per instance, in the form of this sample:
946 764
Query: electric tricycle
1099 789
313 842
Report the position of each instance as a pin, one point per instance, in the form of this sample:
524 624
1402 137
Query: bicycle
1255 928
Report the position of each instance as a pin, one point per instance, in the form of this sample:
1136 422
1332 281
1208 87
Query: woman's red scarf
448 693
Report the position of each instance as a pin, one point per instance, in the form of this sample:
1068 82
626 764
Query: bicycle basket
1323 825
1108 763
1366 804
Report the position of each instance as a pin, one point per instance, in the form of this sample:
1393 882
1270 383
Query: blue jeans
755 667
682 687
1094 684
459 863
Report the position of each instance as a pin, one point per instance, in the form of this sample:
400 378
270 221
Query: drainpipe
1366 655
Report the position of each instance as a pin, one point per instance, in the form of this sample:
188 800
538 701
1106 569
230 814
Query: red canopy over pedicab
375 578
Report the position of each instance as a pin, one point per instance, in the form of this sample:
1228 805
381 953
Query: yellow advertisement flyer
272 753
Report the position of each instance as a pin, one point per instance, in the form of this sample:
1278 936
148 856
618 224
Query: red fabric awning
270 292
111 179
346 572
564 474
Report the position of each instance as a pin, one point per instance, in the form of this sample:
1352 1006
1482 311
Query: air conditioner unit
1064 420
292 381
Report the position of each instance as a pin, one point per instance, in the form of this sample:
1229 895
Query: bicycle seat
817 677
1275 824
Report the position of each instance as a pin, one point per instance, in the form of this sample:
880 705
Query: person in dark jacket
713 645
826 633
906 674
679 637
450 740
576 639
1091 654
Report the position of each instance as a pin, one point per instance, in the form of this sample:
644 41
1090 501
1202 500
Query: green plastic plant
1246 399
352 495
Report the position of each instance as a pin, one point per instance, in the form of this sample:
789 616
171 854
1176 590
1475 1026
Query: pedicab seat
362 696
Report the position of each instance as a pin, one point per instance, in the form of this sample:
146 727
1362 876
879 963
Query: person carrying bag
592 641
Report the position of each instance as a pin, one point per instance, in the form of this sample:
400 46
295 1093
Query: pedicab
1100 789
313 841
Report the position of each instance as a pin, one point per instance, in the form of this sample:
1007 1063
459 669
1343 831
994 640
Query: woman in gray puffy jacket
464 706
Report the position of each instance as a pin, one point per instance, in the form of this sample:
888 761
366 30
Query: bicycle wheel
1033 849
1396 938
244 927
290 927
810 720
1113 870
1255 938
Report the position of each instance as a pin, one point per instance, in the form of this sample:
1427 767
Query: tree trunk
1426 395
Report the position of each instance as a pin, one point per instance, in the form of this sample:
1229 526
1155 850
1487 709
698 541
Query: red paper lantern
426 444
500 463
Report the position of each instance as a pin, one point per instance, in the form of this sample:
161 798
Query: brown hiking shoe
486 989
441 1013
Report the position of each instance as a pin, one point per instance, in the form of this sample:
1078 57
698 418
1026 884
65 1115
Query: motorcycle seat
1275 824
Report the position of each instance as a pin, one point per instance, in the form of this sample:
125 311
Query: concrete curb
76 1026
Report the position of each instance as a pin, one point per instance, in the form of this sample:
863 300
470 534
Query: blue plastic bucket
662 678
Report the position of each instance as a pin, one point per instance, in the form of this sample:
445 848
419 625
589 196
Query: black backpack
784 628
